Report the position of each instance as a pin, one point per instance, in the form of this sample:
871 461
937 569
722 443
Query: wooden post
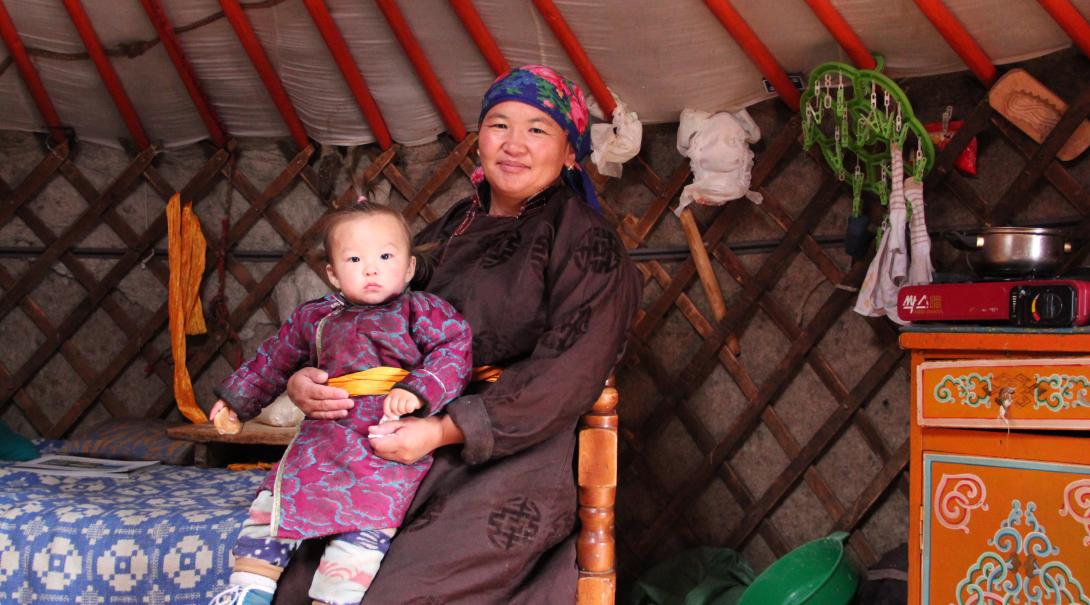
755 49
265 70
415 53
706 273
578 56
477 30
959 39
106 70
595 549
342 56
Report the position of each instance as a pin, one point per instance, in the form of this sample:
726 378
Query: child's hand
398 403
225 419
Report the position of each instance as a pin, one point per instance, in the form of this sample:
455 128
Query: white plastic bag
717 146
281 412
615 143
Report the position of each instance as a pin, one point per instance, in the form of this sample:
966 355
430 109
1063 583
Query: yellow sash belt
375 381
486 374
379 381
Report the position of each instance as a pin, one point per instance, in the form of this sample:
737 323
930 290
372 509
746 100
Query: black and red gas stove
1047 303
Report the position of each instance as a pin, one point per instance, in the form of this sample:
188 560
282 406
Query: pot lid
1021 231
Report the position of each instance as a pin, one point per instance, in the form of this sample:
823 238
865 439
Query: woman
549 292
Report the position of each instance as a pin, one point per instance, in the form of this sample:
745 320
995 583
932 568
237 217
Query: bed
162 536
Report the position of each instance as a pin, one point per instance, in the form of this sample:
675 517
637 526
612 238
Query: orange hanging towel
186 251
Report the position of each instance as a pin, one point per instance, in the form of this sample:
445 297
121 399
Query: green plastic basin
816 573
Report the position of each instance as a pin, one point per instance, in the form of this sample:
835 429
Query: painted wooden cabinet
1000 467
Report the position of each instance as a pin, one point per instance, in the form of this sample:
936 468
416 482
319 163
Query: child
329 482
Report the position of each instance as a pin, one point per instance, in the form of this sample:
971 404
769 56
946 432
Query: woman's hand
410 439
308 391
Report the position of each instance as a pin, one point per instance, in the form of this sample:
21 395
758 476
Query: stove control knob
1049 306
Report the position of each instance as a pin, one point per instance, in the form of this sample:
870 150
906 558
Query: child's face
369 259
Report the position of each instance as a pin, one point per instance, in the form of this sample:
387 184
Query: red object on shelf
966 161
1028 302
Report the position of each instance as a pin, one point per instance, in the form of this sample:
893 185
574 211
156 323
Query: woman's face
522 151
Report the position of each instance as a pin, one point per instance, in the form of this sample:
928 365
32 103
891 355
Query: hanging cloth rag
186 254
718 150
920 270
889 269
613 144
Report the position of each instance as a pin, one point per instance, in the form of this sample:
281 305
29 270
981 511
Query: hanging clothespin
947 114
144 261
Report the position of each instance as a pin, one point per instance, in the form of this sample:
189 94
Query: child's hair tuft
361 207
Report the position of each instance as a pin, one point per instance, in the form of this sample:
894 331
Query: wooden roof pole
738 29
843 33
959 39
1071 21
265 70
29 74
471 19
601 93
577 55
327 27
208 115
106 72
415 53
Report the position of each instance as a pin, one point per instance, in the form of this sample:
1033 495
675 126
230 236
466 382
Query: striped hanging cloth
186 252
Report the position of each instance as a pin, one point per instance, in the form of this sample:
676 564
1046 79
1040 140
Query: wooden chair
597 479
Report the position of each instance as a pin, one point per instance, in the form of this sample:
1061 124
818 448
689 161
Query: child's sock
243 595
258 582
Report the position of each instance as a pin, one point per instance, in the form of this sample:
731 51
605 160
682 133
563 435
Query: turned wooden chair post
597 477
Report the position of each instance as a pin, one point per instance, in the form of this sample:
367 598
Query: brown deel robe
549 295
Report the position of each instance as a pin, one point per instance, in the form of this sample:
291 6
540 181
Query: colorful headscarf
560 98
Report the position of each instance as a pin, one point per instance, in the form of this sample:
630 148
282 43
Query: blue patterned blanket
162 536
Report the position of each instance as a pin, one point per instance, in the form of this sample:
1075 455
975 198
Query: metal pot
1013 251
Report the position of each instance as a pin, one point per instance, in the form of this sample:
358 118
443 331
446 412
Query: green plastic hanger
854 129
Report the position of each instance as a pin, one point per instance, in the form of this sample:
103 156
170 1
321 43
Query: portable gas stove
1048 303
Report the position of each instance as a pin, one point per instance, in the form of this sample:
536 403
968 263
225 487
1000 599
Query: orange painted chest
999 467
